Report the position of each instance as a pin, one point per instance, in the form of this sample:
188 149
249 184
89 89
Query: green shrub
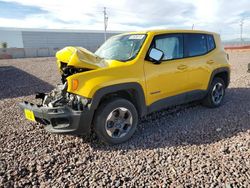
4 45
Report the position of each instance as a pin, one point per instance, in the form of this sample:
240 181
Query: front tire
115 121
216 93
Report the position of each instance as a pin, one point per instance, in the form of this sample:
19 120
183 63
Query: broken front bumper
59 119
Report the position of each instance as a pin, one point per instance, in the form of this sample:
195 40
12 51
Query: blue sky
221 16
13 10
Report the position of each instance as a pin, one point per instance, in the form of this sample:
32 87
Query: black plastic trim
217 71
177 100
138 95
61 119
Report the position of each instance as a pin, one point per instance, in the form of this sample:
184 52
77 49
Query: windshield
121 48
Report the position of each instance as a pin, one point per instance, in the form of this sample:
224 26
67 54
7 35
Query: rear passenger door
198 59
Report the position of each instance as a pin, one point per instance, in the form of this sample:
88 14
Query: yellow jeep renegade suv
130 76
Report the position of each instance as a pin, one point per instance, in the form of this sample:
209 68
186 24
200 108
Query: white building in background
45 42
12 36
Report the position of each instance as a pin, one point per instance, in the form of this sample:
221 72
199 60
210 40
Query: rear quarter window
210 42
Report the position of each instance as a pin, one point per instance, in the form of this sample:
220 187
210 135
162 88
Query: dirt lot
184 146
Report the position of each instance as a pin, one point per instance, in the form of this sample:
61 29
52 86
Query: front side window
121 48
195 44
171 45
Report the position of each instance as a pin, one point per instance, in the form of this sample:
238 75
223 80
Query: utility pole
193 27
105 22
241 29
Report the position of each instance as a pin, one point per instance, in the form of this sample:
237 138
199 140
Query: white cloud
219 16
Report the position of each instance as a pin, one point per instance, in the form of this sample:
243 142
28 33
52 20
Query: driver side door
166 82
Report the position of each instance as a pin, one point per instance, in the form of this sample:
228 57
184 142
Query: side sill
176 100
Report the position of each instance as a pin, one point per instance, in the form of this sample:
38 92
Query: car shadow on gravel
190 124
15 83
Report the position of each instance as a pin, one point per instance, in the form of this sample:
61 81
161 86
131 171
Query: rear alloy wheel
115 120
215 94
218 93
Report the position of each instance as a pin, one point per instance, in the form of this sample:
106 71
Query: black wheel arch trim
217 71
138 95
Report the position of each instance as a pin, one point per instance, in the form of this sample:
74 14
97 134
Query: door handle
210 62
182 67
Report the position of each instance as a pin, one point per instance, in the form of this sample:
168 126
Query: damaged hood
79 57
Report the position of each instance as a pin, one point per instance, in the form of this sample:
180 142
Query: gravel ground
184 146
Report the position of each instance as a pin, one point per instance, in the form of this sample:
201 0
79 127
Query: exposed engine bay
59 97
69 70
71 60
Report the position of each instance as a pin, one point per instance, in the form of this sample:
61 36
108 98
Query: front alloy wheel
119 122
115 120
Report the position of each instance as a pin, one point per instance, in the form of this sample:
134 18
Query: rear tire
115 121
216 93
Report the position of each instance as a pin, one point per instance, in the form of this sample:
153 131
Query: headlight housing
77 102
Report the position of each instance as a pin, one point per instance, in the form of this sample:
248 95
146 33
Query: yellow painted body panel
115 73
88 84
80 58
164 80
157 81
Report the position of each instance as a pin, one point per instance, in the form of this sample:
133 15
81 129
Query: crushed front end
59 110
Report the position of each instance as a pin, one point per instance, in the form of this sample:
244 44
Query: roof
160 31
163 31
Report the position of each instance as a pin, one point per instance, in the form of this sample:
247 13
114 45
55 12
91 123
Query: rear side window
171 45
210 43
195 44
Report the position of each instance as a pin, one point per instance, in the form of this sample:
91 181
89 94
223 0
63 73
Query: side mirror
156 55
